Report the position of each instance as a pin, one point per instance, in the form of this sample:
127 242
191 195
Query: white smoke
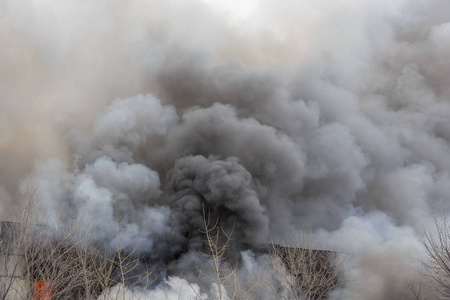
174 288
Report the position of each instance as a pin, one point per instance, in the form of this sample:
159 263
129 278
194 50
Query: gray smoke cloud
222 187
328 116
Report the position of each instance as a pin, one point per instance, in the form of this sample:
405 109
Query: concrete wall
11 276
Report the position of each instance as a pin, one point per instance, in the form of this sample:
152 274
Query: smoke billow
223 186
328 116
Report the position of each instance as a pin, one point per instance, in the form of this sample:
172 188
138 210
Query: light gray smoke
329 116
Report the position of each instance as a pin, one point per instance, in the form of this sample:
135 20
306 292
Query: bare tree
298 271
419 289
222 274
38 261
129 271
436 268
62 262
216 251
294 270
14 234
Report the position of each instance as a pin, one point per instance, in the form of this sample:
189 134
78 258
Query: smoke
224 187
175 289
328 116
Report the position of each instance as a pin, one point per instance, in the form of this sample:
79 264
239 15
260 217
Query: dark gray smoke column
220 187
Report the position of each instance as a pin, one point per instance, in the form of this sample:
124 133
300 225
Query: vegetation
296 270
43 262
304 273
434 280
